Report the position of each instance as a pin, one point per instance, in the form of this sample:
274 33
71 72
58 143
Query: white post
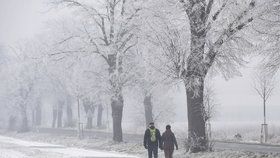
264 126
264 133
79 121
107 121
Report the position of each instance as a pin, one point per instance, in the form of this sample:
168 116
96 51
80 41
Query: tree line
100 50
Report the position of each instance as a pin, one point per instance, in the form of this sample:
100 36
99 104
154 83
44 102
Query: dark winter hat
151 125
168 127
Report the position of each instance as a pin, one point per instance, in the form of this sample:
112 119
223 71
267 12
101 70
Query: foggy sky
20 19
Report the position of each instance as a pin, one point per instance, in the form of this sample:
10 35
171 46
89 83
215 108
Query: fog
236 97
57 57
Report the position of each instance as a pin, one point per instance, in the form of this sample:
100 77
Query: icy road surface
16 148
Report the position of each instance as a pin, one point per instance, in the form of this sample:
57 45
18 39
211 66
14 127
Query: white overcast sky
20 19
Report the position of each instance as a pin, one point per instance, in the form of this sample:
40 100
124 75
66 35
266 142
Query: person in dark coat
152 140
169 141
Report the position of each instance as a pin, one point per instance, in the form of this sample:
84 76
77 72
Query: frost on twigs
195 144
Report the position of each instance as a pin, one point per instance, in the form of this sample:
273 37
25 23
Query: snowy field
250 131
222 130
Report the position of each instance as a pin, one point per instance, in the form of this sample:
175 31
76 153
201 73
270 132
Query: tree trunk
99 115
264 109
24 124
117 111
54 118
12 123
148 109
69 114
89 109
115 69
33 118
89 122
194 81
38 115
196 133
59 118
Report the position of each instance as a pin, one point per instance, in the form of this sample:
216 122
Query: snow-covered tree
110 31
215 35
23 85
219 31
267 27
89 108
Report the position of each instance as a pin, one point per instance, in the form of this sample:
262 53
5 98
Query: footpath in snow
16 148
28 145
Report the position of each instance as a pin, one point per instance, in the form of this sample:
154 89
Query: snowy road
16 148
247 147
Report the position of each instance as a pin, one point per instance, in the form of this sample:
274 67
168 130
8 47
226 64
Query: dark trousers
168 153
153 150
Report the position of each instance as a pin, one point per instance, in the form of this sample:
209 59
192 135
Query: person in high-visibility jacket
152 140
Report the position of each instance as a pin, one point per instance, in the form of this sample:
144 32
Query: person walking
169 140
152 140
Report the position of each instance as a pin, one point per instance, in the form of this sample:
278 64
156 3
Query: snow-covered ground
16 148
25 147
223 131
